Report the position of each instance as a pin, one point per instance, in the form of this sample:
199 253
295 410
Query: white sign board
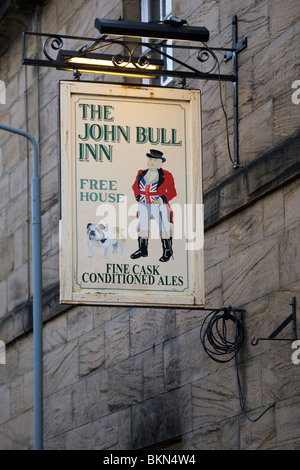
131 228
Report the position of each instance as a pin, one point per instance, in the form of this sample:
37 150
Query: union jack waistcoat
148 192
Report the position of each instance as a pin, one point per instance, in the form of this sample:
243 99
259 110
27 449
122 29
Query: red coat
165 188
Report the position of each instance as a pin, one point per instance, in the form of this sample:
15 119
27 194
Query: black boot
143 249
167 249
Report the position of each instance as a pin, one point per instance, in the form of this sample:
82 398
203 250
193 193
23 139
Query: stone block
260 435
208 12
253 270
91 351
14 59
79 438
17 112
55 333
153 372
125 383
10 152
279 375
124 418
25 349
190 354
17 212
60 367
18 179
105 432
45 233
213 286
56 443
50 268
49 189
150 326
292 203
282 16
156 420
215 398
256 132
254 25
211 207
216 245
5 397
171 364
11 369
3 225
48 154
289 256
212 115
89 399
17 396
287 419
232 195
285 114
17 287
79 322
18 248
48 120
57 413
223 164
28 390
223 435
275 66
208 165
273 213
117 339
49 17
17 433
83 23
12 90
187 319
245 87
7 257
3 296
246 228
228 10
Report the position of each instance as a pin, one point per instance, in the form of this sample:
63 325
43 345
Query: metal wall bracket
290 319
138 53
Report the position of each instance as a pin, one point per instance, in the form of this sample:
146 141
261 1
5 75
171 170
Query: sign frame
75 279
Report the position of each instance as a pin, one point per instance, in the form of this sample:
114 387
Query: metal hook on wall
289 319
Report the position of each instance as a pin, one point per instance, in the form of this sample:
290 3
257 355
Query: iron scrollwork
205 54
56 44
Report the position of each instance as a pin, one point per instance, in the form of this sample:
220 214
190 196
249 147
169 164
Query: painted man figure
153 189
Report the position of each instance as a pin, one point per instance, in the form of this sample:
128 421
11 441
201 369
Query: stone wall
128 378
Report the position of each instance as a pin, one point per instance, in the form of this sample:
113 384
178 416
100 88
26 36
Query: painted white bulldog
99 235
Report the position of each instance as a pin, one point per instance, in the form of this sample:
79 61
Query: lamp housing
152 30
108 64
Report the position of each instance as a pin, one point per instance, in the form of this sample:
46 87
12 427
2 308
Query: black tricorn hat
156 154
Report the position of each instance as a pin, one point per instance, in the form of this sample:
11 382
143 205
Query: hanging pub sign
131 228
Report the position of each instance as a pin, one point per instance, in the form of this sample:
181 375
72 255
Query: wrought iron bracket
139 53
290 319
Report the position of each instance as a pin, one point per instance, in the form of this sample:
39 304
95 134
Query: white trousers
158 212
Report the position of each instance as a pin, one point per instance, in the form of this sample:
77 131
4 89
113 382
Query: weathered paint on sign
131 230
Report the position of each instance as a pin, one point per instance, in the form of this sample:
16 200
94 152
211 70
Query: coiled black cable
222 343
